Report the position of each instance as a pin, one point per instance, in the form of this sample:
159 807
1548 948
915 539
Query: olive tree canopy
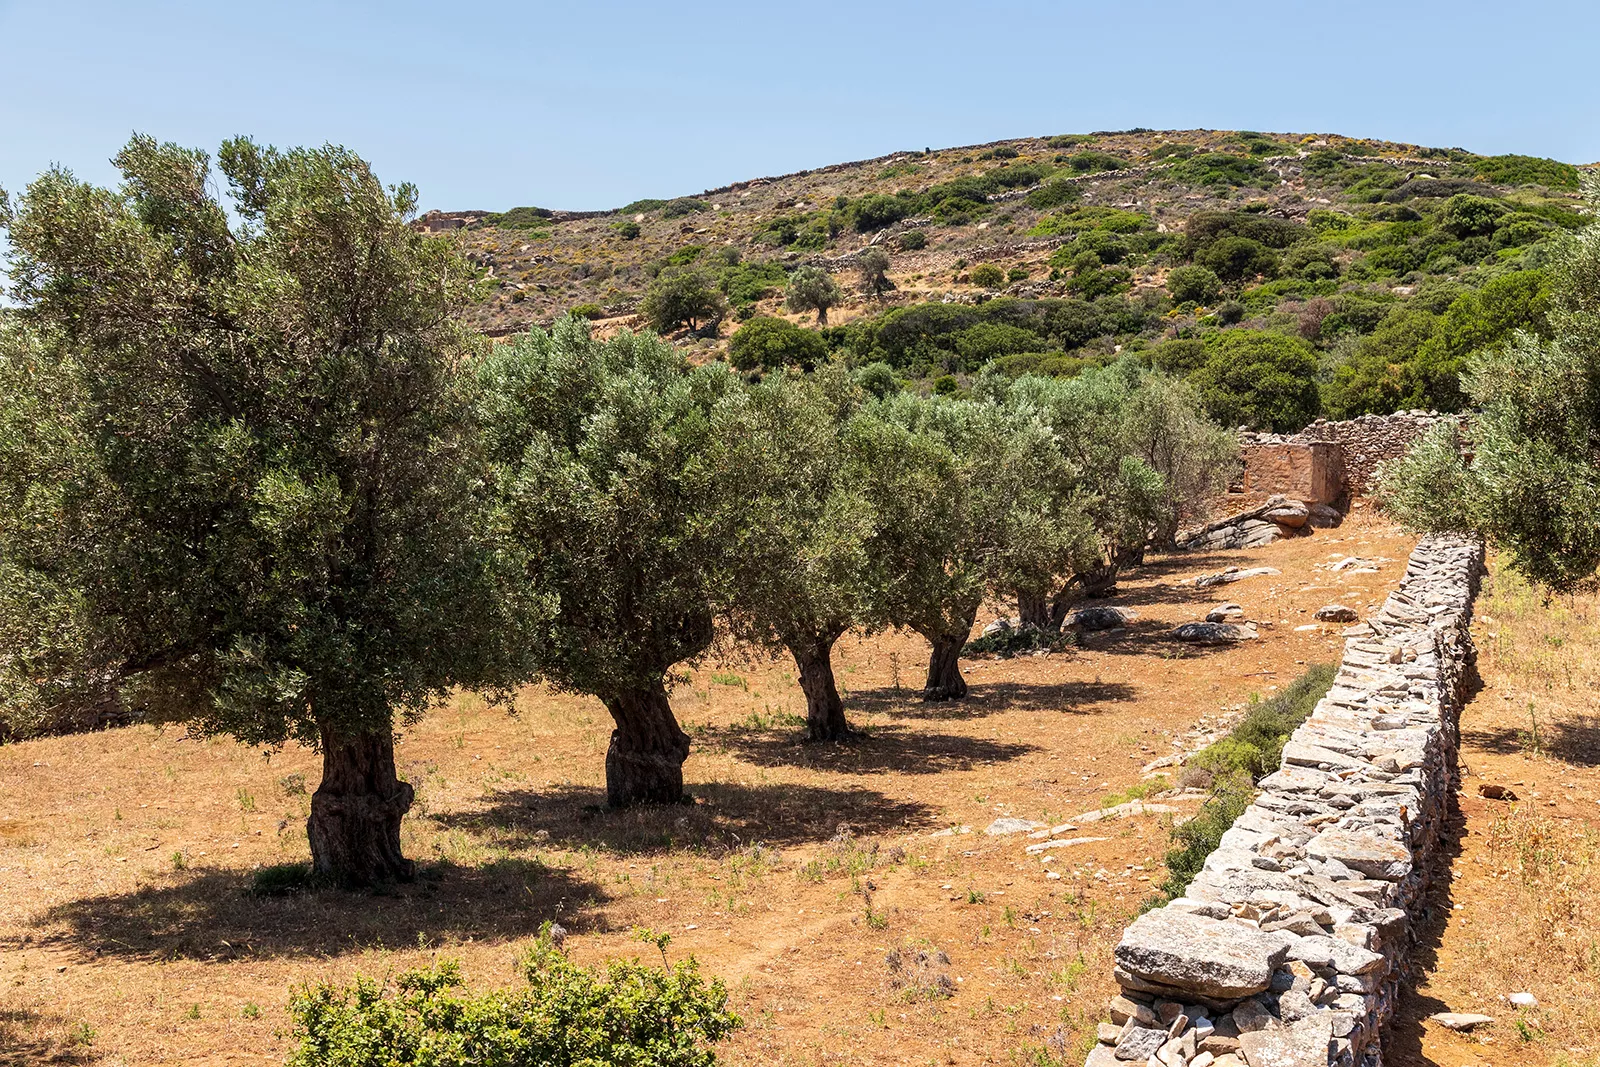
603 457
238 479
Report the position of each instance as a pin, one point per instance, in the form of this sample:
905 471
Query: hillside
1371 267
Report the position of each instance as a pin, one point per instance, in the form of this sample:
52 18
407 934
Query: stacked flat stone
1286 949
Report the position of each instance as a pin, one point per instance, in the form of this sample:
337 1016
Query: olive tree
1532 482
800 575
1111 496
602 454
963 492
682 297
243 489
812 289
873 266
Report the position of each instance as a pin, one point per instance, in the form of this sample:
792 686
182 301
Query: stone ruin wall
1289 947
1364 444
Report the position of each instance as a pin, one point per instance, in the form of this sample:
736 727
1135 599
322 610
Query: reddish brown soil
100 929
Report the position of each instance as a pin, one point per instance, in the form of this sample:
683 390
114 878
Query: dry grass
1521 909
128 934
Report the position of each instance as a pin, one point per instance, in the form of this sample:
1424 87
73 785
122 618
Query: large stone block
1211 957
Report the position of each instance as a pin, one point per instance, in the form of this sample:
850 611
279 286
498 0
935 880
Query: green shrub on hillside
629 1015
520 218
1091 162
679 297
987 276
766 343
1266 381
1221 168
587 311
1109 219
1194 283
627 229
1236 259
912 240
682 206
1527 170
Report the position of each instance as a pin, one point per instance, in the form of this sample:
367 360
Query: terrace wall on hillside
1288 947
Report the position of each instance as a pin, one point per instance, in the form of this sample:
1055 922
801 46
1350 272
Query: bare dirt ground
1519 908
127 935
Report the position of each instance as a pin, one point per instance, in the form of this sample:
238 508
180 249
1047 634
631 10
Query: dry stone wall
1365 444
1287 949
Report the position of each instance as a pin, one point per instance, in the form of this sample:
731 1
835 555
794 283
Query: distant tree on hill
1532 485
602 461
238 474
681 297
873 265
811 289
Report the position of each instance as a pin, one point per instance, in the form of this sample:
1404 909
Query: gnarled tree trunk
644 764
944 668
824 710
354 827
1034 610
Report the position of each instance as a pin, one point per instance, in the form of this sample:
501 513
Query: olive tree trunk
644 764
1033 609
354 827
824 710
944 668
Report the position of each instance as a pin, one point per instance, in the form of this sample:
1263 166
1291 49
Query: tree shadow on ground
1574 739
985 697
724 816
21 1040
211 915
1403 1031
895 748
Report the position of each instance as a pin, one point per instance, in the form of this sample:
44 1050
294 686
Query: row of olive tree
254 476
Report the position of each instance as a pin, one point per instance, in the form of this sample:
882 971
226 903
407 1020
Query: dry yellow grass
1519 911
127 935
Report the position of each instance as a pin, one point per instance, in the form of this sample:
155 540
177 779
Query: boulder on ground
1232 574
1214 633
1224 612
1460 1020
1293 515
1336 613
1323 517
1100 617
1008 825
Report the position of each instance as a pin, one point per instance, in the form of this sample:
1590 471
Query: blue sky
591 104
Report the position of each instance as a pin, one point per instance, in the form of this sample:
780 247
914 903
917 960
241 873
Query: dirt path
127 935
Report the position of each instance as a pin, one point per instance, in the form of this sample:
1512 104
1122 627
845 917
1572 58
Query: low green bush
1018 641
629 1015
520 218
912 240
682 206
1255 745
627 229
1252 750
587 311
987 276
767 343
